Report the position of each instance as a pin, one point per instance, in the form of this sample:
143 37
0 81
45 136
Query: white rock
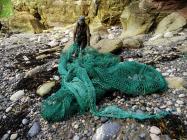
178 110
45 88
53 43
25 121
154 137
180 102
168 35
25 58
16 96
163 106
155 130
13 136
64 40
8 109
181 95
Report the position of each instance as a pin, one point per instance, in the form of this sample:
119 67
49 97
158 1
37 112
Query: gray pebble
25 121
34 130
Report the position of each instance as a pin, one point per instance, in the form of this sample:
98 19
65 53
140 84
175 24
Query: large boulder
108 45
172 22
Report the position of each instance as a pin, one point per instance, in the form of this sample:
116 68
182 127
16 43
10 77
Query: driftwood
46 67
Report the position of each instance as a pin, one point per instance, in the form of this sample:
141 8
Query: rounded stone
8 109
25 121
13 136
155 130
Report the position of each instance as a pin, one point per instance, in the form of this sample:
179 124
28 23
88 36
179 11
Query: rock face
170 23
136 16
136 21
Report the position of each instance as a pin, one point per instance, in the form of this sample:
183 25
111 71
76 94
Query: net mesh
86 79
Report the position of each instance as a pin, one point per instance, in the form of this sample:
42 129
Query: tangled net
90 75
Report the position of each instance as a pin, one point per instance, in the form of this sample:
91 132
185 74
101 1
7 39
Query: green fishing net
87 77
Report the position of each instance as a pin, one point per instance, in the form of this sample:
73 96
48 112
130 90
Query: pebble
13 136
76 137
53 43
34 130
4 116
5 137
178 110
154 137
163 106
106 131
155 130
180 102
25 121
148 109
16 96
181 95
8 109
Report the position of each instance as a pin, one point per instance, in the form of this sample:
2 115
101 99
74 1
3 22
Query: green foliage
5 8
88 78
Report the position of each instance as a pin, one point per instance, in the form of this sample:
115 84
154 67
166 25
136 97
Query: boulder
132 43
108 45
172 22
